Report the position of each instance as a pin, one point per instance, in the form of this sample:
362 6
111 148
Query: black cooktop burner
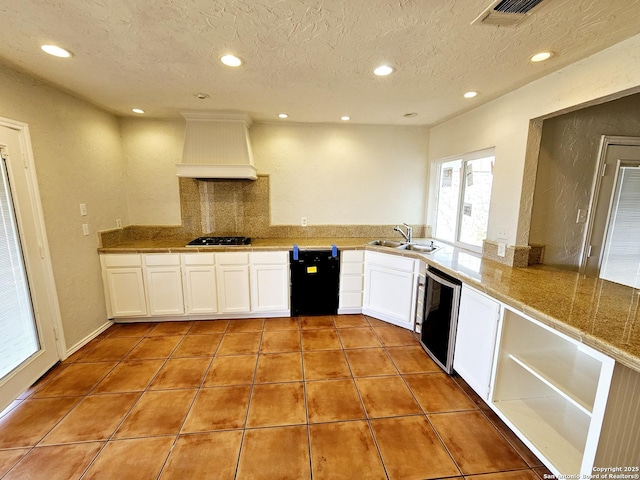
207 241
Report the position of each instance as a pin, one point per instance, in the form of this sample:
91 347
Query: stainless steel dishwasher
440 317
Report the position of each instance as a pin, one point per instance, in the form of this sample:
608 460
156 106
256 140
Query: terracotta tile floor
329 397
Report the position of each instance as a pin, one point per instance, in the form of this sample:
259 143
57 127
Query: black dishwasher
315 278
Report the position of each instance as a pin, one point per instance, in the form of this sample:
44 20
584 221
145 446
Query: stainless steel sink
419 247
386 243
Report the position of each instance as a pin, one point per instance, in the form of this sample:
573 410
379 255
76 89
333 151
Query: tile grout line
141 394
246 417
193 401
306 403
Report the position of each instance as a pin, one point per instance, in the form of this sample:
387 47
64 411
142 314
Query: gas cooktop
208 241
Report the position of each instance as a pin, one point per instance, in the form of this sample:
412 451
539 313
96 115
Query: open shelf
571 373
545 422
547 388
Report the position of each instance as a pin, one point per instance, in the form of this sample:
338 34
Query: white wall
343 174
152 148
79 159
504 123
332 174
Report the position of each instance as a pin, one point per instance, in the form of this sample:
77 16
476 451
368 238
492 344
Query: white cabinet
476 339
351 281
390 288
232 275
270 282
124 286
552 391
199 281
163 277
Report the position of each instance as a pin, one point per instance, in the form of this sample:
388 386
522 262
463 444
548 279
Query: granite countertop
599 313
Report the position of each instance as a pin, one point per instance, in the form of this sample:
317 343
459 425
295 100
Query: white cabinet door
164 290
125 290
476 339
200 293
390 293
233 288
269 288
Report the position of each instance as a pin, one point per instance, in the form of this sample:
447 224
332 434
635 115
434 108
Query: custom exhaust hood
216 145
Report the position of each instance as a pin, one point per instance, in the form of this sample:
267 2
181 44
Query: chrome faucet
407 236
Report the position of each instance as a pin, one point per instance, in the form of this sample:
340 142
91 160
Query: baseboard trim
87 339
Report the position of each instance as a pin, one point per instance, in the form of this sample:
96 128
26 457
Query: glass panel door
28 302
621 259
18 337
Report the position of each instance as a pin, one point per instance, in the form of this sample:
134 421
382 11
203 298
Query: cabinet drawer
198 258
352 283
232 258
391 261
352 268
129 260
270 258
162 259
352 255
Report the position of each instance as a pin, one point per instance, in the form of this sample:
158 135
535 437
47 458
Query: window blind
18 337
621 260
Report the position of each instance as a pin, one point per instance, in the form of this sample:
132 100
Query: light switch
83 209
85 229
582 215
502 249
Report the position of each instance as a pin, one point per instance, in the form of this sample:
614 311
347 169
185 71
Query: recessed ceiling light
283 115
541 57
470 94
410 115
201 96
137 110
345 118
383 70
231 60
56 51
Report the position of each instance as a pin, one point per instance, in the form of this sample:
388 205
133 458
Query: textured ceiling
310 58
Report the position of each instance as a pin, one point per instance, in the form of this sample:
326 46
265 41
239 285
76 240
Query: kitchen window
463 194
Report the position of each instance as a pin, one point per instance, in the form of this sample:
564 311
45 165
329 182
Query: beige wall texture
331 174
152 148
79 159
504 123
566 167
343 174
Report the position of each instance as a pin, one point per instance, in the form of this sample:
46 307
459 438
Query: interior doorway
607 252
30 328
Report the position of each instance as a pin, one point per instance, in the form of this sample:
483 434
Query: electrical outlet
118 223
502 249
503 233
85 229
83 209
303 221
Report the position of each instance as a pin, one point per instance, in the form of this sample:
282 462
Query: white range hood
216 145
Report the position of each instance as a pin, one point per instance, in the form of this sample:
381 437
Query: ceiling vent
506 13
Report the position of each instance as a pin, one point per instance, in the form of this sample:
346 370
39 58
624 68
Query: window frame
436 175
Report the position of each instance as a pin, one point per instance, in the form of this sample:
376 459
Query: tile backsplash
239 207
